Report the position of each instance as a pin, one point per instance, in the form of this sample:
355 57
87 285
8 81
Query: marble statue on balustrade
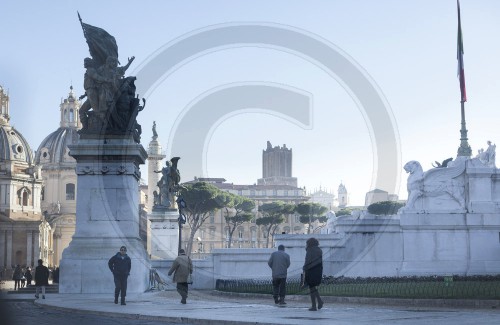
111 107
487 157
330 222
440 189
168 185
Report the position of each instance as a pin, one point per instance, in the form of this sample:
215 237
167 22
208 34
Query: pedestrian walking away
313 269
28 276
120 265
182 269
41 279
279 262
18 274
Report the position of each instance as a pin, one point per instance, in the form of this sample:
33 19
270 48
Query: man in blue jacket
120 265
279 263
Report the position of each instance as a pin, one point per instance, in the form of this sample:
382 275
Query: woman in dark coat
313 270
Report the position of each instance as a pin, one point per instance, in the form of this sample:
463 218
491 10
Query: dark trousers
182 289
120 285
279 288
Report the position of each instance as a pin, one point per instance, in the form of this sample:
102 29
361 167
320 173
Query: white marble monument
107 217
108 156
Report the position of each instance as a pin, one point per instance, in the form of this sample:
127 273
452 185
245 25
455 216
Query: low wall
371 246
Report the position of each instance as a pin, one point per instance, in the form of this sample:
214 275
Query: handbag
189 279
303 282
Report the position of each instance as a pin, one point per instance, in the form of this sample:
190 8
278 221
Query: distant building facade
58 201
214 233
21 230
277 184
325 198
378 195
343 196
277 166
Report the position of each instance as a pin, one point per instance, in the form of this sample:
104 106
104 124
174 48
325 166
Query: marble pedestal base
107 216
164 233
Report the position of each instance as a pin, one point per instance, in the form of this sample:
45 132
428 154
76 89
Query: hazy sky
405 49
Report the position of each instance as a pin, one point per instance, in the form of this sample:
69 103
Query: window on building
240 233
212 233
71 115
286 193
202 233
297 218
212 246
212 216
253 232
252 193
25 198
275 192
70 191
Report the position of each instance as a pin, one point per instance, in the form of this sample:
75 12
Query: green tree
273 215
311 212
343 212
201 198
242 207
385 207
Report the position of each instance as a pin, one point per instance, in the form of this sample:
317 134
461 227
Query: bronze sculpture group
111 107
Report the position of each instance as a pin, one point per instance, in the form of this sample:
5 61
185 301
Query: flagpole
464 150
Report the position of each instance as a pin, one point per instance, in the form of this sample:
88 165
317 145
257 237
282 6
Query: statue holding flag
111 107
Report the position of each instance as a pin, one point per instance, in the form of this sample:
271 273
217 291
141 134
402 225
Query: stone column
36 248
9 249
107 216
2 249
29 248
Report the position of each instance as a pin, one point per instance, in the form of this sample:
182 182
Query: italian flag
460 58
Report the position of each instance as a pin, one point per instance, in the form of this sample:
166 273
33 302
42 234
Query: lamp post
181 204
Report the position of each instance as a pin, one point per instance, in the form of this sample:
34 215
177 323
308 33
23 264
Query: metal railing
155 281
434 287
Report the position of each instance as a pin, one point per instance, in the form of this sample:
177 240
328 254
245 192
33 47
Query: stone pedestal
107 216
164 233
481 184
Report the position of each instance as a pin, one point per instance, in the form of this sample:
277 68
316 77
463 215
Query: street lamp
181 204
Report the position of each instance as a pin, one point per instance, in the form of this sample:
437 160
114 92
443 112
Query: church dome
54 148
13 146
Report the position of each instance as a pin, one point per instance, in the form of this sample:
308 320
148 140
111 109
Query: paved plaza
208 307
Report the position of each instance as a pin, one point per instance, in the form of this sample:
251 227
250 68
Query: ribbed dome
54 148
13 146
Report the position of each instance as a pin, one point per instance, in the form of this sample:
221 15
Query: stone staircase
51 288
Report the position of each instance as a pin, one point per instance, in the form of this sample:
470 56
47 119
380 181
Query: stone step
53 288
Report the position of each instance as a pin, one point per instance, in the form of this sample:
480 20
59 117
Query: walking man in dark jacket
41 278
120 265
279 263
